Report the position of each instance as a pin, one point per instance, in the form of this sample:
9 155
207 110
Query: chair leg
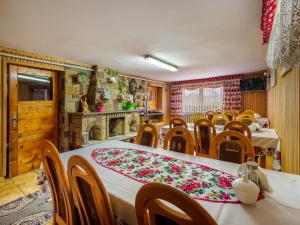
263 160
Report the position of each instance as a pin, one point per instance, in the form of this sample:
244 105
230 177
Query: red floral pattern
199 181
231 92
268 13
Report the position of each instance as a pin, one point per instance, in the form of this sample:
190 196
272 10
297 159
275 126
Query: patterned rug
33 209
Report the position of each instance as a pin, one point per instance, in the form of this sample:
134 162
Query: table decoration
199 181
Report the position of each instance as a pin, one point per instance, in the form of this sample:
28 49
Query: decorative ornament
132 87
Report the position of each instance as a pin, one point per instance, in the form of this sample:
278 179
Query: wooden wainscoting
255 100
284 114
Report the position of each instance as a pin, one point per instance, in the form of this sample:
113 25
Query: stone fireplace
89 128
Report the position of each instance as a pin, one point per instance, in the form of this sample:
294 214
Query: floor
18 186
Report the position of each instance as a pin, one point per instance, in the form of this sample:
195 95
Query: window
202 100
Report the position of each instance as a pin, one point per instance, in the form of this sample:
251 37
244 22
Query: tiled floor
19 186
13 188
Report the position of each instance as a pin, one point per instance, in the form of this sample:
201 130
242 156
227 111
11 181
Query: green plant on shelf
82 77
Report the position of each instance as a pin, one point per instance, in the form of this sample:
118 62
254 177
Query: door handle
14 121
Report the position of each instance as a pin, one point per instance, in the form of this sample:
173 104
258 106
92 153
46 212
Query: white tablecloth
264 139
282 207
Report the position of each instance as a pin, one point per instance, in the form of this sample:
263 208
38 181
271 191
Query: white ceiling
204 38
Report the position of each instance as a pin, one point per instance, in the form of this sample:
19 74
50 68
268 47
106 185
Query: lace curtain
284 44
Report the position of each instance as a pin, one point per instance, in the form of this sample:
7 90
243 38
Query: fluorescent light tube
160 63
34 78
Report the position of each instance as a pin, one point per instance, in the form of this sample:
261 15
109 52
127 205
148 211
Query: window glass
34 88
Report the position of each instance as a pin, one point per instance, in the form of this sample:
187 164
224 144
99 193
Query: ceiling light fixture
160 63
33 78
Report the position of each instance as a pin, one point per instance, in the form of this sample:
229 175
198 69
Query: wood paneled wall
255 100
284 115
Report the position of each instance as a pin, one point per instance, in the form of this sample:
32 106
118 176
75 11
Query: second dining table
125 167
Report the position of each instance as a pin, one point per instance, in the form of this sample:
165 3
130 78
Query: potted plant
82 77
112 74
122 89
99 105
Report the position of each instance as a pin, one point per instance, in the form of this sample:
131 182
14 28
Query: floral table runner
199 181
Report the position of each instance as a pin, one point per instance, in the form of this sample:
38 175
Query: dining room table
124 168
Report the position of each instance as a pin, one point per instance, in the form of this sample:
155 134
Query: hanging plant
82 77
112 74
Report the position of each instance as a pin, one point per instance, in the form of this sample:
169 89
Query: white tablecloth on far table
282 207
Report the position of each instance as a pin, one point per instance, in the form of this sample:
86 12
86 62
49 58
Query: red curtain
231 92
268 12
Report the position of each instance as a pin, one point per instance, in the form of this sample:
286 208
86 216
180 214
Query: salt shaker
252 171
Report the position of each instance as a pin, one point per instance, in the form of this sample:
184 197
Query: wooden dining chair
147 136
246 118
249 112
231 146
62 200
240 127
219 111
220 119
196 116
231 115
178 122
179 139
209 115
94 205
204 132
151 210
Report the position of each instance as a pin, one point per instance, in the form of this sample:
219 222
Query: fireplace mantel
104 113
85 127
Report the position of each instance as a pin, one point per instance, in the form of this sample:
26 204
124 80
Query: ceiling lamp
160 63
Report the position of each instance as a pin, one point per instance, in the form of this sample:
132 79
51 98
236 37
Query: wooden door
32 116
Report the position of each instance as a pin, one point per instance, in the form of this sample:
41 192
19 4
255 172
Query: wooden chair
246 118
231 115
196 116
209 115
147 136
240 127
150 210
204 132
232 146
63 204
249 112
178 122
179 139
93 201
220 119
219 111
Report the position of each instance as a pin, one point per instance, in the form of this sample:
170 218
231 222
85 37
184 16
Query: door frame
5 62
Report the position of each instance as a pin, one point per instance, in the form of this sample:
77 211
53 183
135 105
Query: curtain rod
45 61
69 66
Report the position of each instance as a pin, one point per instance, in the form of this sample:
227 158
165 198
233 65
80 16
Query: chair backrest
179 139
232 146
178 122
204 132
92 198
196 116
63 204
240 127
246 118
249 112
147 136
219 111
220 119
209 115
150 210
231 115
